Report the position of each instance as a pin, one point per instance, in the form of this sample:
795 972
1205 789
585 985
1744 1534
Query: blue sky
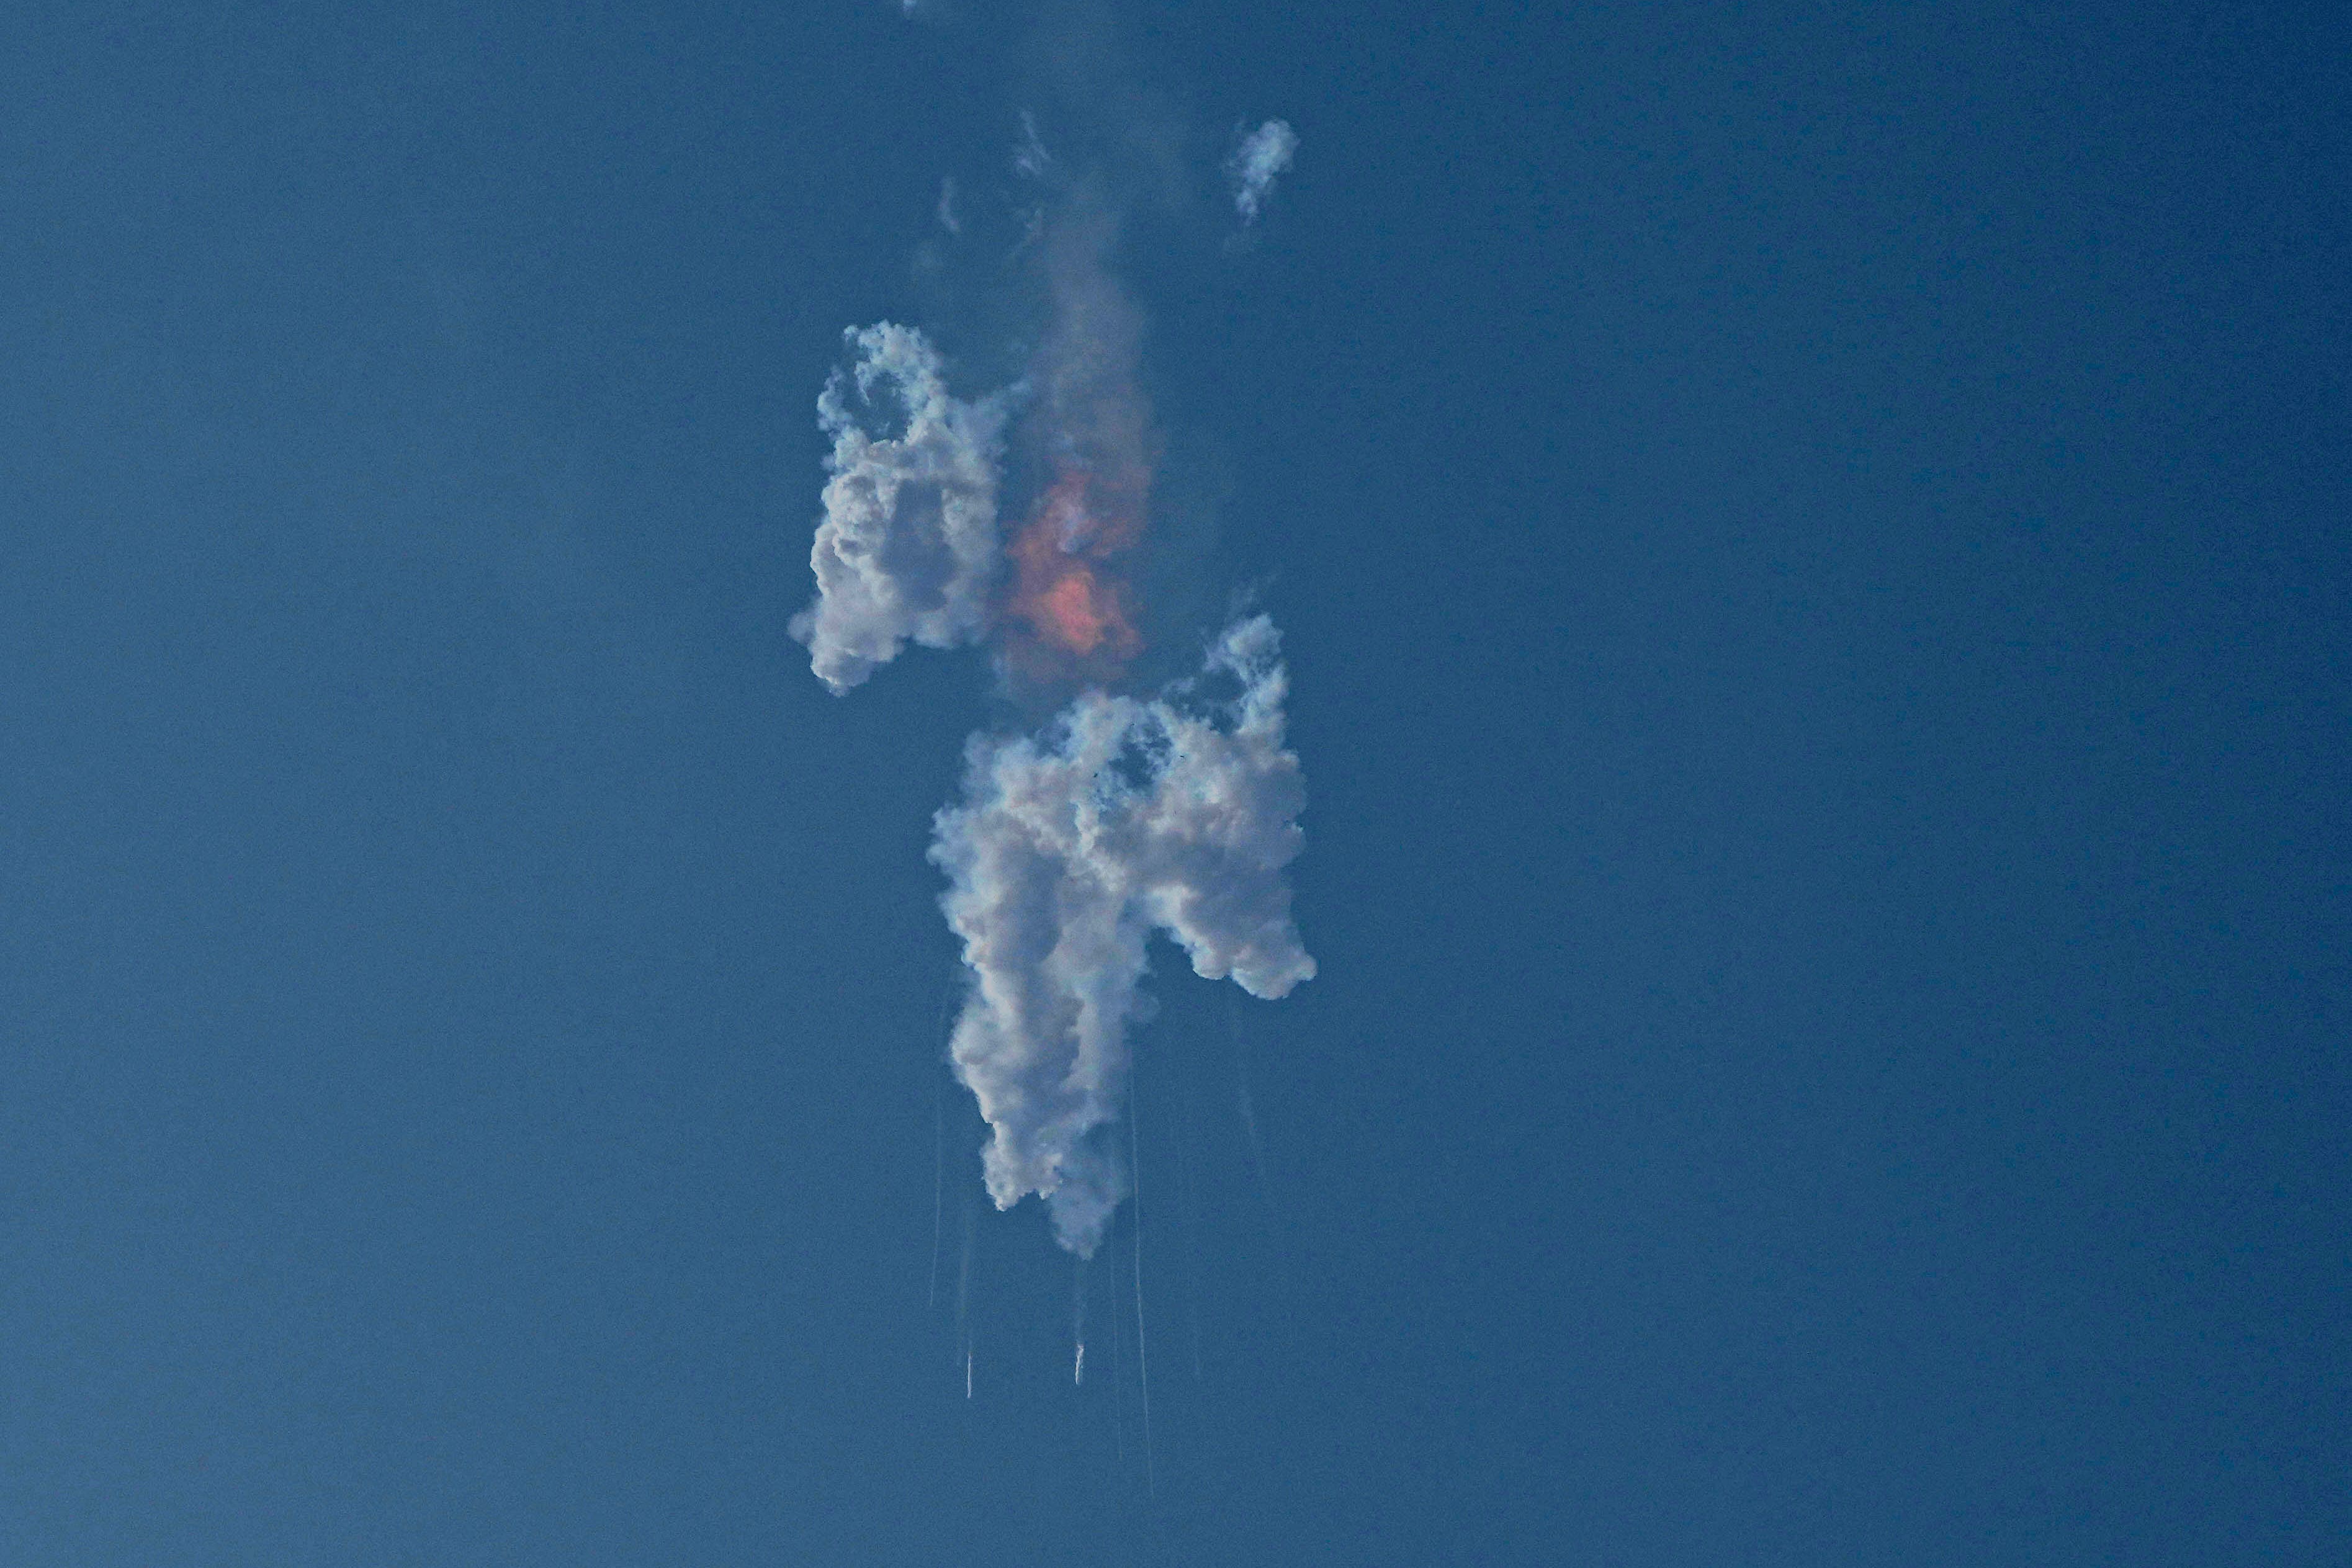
1810 550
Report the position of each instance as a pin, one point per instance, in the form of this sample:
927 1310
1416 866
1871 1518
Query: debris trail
1117 1376
1185 1121
939 1145
1142 1356
963 1297
1078 1323
939 1177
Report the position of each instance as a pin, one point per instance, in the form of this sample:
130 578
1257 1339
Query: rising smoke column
1069 614
1069 848
907 548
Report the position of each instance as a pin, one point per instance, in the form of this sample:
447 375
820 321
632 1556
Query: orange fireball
1067 593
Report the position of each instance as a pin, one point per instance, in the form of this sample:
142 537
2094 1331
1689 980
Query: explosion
1068 613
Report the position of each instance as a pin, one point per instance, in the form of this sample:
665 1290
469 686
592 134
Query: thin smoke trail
963 1297
939 1179
1142 1356
1249 1118
1117 1376
1191 1197
938 1151
1248 1115
1078 1323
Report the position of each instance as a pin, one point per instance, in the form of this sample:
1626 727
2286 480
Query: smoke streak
907 546
1069 850
1143 1353
1118 1377
963 1294
1078 1321
1263 155
938 1179
1185 1120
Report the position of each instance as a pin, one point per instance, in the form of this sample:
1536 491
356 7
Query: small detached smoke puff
1068 851
907 546
1264 154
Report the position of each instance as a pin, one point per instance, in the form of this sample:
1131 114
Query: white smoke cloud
907 546
1264 154
1068 851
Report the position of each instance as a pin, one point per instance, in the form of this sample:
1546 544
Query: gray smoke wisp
1127 816
1263 155
907 548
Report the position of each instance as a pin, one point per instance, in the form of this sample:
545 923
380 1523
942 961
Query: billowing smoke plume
1126 817
907 548
1263 154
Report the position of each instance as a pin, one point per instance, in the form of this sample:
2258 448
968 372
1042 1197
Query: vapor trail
1118 1379
938 1176
1142 1355
1249 1118
1185 1121
1078 1323
963 1295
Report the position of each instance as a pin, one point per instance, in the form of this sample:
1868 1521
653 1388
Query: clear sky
1811 547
